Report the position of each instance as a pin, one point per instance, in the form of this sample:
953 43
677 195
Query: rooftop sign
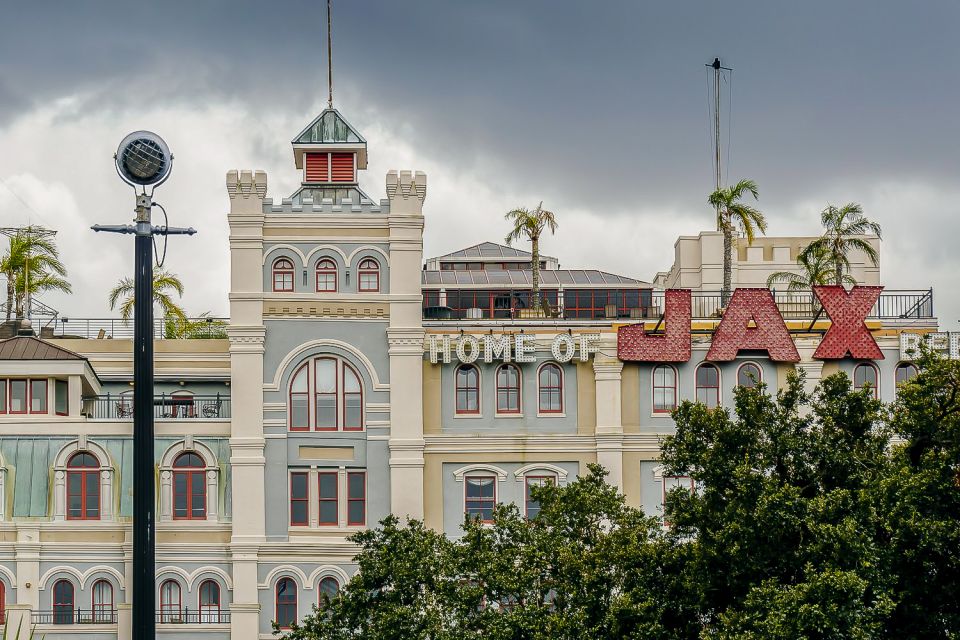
517 347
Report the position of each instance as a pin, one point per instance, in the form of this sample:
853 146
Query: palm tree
734 216
31 265
816 268
843 231
165 284
531 224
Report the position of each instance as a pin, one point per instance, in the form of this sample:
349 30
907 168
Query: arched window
326 275
3 603
708 385
369 276
480 496
170 602
209 602
286 603
328 588
189 487
905 371
468 390
550 382
63 602
337 396
749 375
83 487
866 374
508 389
664 389
282 275
102 602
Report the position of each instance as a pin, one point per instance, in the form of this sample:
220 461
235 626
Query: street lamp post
143 160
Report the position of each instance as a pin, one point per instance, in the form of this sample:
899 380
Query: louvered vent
317 167
342 167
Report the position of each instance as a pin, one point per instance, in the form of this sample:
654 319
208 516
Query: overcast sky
597 108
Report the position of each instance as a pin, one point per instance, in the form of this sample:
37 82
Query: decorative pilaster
607 371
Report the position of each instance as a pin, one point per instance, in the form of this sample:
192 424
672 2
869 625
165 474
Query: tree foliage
808 520
165 284
531 223
843 228
733 216
31 264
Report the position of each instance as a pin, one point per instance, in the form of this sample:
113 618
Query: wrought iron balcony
186 616
165 407
622 305
69 615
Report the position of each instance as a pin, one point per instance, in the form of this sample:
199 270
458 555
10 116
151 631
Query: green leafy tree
735 216
531 225
816 268
203 327
32 263
844 228
165 284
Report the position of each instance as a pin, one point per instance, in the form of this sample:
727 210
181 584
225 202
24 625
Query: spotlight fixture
143 159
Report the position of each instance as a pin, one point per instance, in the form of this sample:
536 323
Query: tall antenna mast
329 60
717 68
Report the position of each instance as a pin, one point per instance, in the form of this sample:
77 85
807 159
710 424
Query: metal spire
329 60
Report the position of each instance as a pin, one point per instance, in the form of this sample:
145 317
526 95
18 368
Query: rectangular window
3 395
329 511
61 397
299 499
18 396
357 498
532 505
481 496
326 393
38 396
669 484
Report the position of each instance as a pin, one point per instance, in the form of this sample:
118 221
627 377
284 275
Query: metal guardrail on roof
108 328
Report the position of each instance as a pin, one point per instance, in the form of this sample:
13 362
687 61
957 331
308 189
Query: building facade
355 379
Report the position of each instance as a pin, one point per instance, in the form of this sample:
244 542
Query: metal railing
165 407
793 305
186 616
109 328
69 615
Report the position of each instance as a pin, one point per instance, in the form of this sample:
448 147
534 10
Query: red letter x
848 332
633 344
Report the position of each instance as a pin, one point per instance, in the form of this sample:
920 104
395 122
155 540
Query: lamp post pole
143 160
144 530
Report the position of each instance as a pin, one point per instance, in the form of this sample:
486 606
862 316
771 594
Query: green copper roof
329 128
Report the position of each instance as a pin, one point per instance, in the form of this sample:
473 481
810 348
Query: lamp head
143 159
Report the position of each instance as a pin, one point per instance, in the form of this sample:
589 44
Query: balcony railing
165 407
186 616
69 615
108 328
794 305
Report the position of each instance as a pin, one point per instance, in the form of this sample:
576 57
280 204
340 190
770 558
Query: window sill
551 415
508 415
467 416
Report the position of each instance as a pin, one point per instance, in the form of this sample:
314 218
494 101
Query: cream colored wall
432 420
586 399
630 398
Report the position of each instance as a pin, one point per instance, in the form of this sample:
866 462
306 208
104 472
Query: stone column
406 192
607 370
247 334
28 568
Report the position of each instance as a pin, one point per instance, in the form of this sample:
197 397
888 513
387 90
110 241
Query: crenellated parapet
406 190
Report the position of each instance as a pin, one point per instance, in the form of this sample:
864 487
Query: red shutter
316 167
342 167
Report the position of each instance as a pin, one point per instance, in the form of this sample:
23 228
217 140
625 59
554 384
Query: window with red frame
189 487
3 395
328 590
337 396
18 396
356 498
508 389
38 396
210 602
708 385
83 487
329 503
550 381
866 374
369 276
3 604
904 373
480 496
468 390
531 504
282 275
326 275
63 602
170 602
61 397
299 499
286 602
664 389
102 602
